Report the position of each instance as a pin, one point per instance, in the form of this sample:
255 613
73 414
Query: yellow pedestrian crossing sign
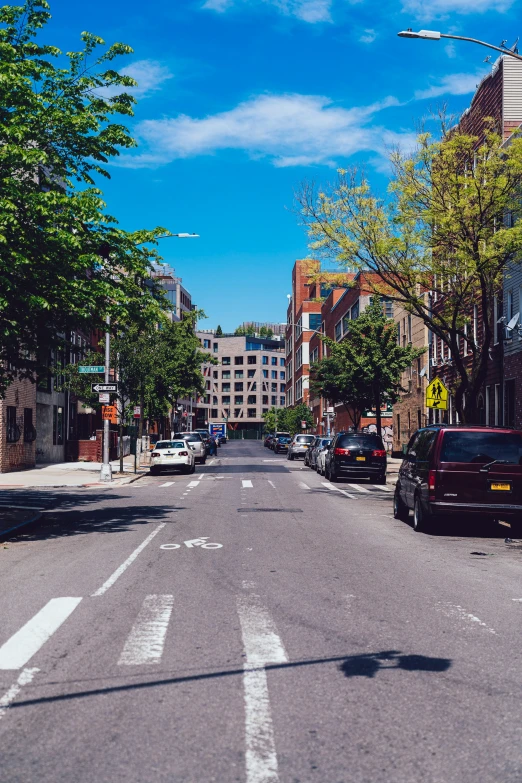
437 395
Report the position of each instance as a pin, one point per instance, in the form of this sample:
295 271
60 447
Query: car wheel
400 509
193 468
154 471
381 479
202 461
420 524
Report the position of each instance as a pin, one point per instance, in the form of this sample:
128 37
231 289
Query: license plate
360 459
501 487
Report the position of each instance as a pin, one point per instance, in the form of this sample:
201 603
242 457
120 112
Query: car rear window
170 444
192 437
304 439
325 442
283 440
481 447
360 442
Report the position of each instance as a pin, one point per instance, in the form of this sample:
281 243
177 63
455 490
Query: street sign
437 395
91 368
303 425
110 413
137 412
104 387
104 397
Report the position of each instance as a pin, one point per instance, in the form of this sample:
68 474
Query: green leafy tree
296 416
440 243
276 420
364 370
240 331
219 331
64 262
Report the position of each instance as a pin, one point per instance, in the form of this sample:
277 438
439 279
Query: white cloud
288 130
368 36
149 74
451 51
452 84
311 11
430 9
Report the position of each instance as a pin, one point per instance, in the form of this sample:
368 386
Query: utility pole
106 471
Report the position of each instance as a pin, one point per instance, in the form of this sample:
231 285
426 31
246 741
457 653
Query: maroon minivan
461 470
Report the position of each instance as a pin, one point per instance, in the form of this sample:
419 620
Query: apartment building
178 296
248 380
17 427
410 412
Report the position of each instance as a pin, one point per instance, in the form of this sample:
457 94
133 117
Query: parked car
268 438
313 452
168 454
277 435
356 454
205 434
196 443
299 445
461 471
319 462
281 444
221 439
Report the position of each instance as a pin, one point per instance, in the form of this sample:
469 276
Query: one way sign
104 387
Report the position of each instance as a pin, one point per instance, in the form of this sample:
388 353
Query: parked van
464 471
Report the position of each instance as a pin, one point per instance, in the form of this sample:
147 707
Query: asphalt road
254 623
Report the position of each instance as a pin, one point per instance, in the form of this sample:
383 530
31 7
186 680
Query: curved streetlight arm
434 35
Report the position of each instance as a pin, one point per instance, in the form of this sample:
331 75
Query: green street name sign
91 368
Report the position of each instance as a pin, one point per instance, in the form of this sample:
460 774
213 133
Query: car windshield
304 439
325 442
170 444
191 437
359 441
283 440
481 447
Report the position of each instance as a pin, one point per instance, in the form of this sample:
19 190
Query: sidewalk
70 474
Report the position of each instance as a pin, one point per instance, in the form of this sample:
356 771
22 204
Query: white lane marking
119 571
246 483
519 600
303 485
455 611
25 678
386 488
194 483
212 462
146 640
262 646
167 484
21 647
271 483
337 489
328 485
359 488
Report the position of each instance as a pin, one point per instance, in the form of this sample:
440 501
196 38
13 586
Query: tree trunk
378 421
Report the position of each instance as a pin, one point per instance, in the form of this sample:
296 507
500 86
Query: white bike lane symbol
202 542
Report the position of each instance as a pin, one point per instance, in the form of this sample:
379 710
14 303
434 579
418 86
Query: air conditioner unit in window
433 362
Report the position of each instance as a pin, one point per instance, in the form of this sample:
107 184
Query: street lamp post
435 35
106 469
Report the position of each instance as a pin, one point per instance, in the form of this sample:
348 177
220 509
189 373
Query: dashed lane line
246 483
167 484
132 557
194 483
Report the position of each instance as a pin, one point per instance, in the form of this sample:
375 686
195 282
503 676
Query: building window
338 330
251 373
225 400
265 373
282 376
315 321
225 374
252 359
215 347
265 410
238 400
214 400
207 385
299 389
251 399
225 387
274 373
265 399
509 305
12 433
510 404
213 413
274 387
253 386
274 360
238 386
225 360
282 402
281 362
238 374
237 413
409 328
251 413
346 323
281 387
299 328
289 398
265 359
215 374
354 313
299 358
57 425
206 344
274 400
238 360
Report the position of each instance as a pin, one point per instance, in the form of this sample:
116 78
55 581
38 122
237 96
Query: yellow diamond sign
437 395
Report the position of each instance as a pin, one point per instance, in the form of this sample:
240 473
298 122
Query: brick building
17 427
410 412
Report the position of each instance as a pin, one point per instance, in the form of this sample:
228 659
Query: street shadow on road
363 665
66 522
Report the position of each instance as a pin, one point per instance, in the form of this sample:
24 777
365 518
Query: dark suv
461 471
357 454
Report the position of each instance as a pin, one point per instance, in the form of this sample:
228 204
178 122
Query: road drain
274 510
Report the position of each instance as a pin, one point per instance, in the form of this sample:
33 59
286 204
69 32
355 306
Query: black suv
356 454
461 471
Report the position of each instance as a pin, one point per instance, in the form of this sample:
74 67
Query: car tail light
342 452
378 453
155 454
432 482
182 453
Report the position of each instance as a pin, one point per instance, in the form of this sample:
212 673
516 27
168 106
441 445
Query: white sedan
172 454
319 461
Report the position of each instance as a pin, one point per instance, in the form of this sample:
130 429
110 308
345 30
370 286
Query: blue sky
241 100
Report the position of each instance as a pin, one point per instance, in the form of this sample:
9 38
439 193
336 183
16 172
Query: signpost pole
106 472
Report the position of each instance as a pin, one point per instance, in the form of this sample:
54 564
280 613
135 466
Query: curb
34 518
115 483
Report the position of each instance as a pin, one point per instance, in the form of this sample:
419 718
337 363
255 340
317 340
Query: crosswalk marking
245 483
359 488
167 484
25 678
328 485
303 485
146 640
262 646
21 647
194 483
386 488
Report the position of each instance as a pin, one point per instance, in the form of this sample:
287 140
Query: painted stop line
202 542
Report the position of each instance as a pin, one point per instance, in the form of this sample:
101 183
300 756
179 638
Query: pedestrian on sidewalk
212 446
